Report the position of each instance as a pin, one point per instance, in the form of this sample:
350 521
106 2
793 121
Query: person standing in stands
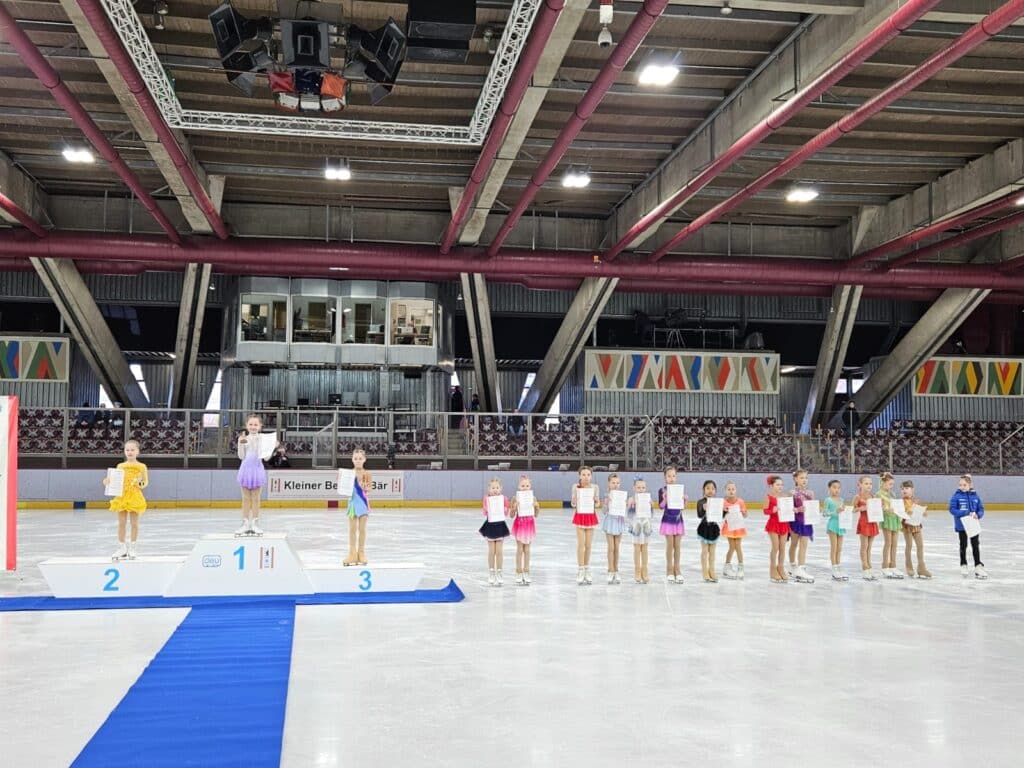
458 405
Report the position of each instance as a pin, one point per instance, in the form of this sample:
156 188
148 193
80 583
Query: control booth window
362 321
264 318
412 322
313 319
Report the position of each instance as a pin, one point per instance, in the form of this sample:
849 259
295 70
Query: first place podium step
222 565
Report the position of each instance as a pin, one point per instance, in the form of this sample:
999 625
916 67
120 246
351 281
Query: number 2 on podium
111 586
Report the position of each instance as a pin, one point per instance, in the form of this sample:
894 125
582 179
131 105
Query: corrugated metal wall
793 392
570 399
510 384
37 394
900 407
84 385
147 288
968 408
682 404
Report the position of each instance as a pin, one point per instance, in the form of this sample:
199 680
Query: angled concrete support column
572 335
194 289
943 318
481 340
841 319
85 322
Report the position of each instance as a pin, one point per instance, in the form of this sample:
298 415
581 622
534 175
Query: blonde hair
969 479
494 480
798 472
132 441
613 475
886 476
256 416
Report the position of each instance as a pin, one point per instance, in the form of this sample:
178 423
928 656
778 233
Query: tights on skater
639 520
672 526
495 530
586 501
524 527
614 525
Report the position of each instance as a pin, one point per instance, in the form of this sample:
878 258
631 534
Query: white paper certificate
115 482
585 500
916 515
643 505
735 518
786 512
524 503
617 503
899 508
495 509
713 510
268 442
812 512
875 514
346 482
846 518
675 496
972 526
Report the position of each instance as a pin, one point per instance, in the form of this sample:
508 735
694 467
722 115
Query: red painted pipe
47 75
952 242
543 24
867 47
642 23
410 260
104 30
991 25
21 215
85 267
922 233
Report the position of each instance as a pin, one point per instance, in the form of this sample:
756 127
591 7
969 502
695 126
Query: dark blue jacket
964 503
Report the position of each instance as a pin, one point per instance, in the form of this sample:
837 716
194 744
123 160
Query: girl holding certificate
251 475
614 525
358 510
709 510
734 528
800 531
912 534
525 509
967 509
495 530
671 500
866 529
776 529
891 525
586 500
129 503
832 511
639 517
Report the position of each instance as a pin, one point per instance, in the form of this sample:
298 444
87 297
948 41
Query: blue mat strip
214 695
448 594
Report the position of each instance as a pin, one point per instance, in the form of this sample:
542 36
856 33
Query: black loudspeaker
231 29
448 20
241 68
448 51
305 44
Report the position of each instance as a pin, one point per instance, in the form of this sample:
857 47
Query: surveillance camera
604 38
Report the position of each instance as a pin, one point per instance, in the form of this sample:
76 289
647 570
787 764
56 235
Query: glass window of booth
264 318
412 322
362 321
313 319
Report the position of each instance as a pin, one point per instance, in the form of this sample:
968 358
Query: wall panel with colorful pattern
623 370
34 358
969 377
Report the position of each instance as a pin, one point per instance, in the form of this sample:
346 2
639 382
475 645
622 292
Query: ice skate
526 578
923 573
964 571
500 578
131 550
739 572
801 576
244 528
611 577
616 580
361 558
579 577
980 572
492 578
587 577
120 553
520 581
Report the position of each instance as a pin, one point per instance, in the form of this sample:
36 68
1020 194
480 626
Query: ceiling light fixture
658 74
1020 200
339 269
801 194
339 171
576 178
726 8
73 155
161 8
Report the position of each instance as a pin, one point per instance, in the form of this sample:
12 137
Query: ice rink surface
909 673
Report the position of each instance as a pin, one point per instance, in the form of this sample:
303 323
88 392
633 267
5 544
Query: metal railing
323 437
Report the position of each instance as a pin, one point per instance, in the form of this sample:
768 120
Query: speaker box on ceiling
448 20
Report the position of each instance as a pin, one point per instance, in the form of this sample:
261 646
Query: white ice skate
980 572
254 528
131 550
801 576
120 553
526 578
243 529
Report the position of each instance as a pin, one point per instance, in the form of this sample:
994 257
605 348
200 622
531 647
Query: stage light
75 155
726 8
231 29
338 171
161 8
1020 200
377 56
576 178
305 43
241 68
801 194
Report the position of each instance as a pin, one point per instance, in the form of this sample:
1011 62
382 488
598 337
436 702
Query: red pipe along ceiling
952 242
867 47
982 31
21 216
100 23
285 255
50 79
642 23
543 24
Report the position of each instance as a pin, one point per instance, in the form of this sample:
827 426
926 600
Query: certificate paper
115 482
346 482
812 512
585 500
899 508
268 442
495 509
713 510
524 503
846 518
675 496
916 515
735 519
786 512
617 503
972 526
643 505
875 514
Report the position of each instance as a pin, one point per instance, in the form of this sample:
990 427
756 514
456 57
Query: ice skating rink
909 673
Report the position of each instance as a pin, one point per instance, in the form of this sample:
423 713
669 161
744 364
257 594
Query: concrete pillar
194 290
481 340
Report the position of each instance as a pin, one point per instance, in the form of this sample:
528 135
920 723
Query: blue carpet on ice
214 695
448 594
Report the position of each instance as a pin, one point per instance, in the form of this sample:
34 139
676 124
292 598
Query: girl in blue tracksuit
967 503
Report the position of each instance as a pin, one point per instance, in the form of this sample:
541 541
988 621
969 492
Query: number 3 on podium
367 582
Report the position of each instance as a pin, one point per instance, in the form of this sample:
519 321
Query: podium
222 565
